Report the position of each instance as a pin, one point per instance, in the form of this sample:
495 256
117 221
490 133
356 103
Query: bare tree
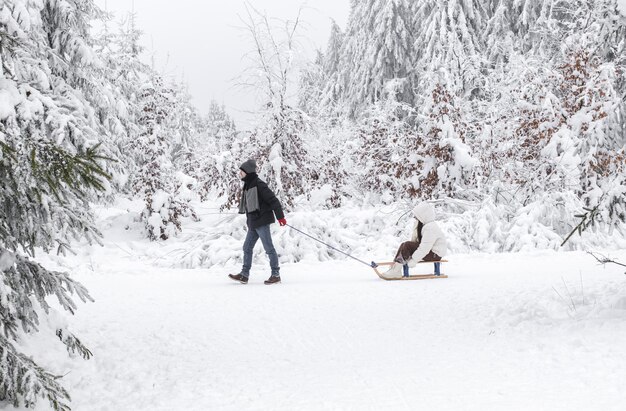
278 141
270 66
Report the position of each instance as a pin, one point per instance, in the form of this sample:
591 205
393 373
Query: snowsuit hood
424 212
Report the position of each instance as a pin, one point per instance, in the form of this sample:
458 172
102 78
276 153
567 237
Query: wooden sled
437 273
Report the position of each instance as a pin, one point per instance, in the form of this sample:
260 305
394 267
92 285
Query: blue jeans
265 235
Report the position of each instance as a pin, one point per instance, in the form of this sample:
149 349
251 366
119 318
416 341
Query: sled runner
406 276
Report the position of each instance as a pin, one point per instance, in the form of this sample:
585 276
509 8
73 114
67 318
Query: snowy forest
508 116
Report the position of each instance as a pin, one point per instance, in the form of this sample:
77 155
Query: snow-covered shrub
449 164
401 161
389 156
155 181
281 154
215 156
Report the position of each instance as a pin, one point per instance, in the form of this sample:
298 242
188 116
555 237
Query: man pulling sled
259 204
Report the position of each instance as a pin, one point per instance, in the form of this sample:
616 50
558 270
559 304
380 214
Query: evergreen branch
8 44
8 151
587 219
25 381
78 171
28 280
73 344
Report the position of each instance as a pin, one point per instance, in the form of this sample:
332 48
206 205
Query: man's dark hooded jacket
258 201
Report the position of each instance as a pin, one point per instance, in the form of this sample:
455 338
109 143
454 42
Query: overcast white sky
205 42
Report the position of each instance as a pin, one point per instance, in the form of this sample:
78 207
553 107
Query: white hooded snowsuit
432 236
432 239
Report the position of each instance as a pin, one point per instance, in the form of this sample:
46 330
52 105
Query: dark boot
272 280
238 277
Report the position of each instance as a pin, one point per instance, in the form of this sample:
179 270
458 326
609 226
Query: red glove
282 222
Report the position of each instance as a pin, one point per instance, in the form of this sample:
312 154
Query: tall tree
332 56
120 53
50 170
330 87
156 180
277 142
448 44
376 55
215 161
311 87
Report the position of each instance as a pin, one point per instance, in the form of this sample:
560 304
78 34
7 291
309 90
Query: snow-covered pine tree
119 51
68 25
515 22
155 181
332 56
376 51
331 86
220 126
367 71
185 127
448 40
218 151
50 170
184 122
501 34
157 125
311 87
541 27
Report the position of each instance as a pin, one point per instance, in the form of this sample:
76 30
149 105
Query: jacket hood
249 166
424 212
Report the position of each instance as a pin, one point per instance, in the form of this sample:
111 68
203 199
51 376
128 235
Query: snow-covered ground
524 331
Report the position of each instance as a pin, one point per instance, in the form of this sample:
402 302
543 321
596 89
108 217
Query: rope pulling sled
405 268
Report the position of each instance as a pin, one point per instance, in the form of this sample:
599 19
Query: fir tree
51 168
332 57
155 180
184 122
311 87
331 88
120 51
376 53
217 154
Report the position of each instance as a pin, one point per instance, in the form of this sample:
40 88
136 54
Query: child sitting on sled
427 243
